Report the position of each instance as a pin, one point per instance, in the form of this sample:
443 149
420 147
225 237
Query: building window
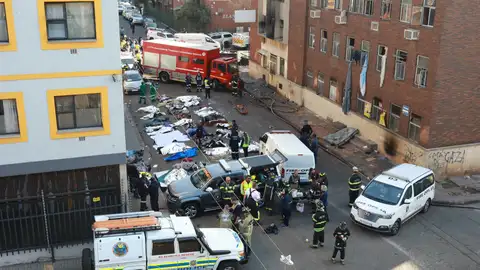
365 46
394 119
3 24
311 37
349 49
406 11
386 10
332 95
70 21
428 12
239 29
361 6
183 59
323 3
320 83
78 111
309 79
338 4
421 71
336 45
198 61
9 117
282 67
414 127
163 247
282 24
273 64
264 61
400 65
377 109
380 53
323 41
313 3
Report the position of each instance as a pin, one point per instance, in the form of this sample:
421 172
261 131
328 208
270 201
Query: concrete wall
40 146
445 161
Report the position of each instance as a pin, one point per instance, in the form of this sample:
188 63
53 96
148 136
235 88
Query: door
280 159
161 251
213 198
192 254
406 210
263 144
418 195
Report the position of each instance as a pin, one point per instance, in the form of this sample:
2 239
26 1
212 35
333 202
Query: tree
195 14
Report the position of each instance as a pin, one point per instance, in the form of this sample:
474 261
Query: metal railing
49 220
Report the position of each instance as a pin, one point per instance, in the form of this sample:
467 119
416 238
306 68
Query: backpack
271 229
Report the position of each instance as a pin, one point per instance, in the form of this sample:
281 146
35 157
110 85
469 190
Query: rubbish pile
171 134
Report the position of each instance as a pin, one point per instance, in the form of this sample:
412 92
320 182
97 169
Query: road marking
402 250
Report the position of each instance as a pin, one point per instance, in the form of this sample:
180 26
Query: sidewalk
454 191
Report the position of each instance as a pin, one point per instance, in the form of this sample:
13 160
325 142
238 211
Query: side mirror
209 189
407 201
362 187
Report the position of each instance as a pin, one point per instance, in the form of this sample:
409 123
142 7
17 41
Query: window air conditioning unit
315 14
411 34
374 26
341 19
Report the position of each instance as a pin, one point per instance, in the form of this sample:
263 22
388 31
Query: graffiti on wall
441 159
411 156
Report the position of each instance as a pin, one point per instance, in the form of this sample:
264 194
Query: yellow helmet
254 177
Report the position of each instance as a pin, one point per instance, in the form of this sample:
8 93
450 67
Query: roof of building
203 47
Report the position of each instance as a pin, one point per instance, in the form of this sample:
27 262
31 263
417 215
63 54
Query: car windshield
151 25
149 20
128 61
383 193
169 35
232 68
200 178
133 77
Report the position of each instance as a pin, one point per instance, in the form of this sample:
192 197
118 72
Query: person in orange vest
245 185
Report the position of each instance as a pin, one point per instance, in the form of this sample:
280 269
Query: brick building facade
421 80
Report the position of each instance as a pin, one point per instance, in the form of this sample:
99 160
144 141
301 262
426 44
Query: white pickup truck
241 40
149 240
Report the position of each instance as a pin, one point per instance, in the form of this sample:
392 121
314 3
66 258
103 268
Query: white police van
394 197
148 240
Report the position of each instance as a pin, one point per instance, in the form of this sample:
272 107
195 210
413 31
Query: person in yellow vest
245 185
138 56
245 143
123 44
137 47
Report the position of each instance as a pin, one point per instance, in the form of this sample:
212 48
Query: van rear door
281 159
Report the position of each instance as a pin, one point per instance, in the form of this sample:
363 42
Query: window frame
332 82
74 113
183 59
320 81
281 71
272 64
22 136
360 7
418 127
424 7
309 78
397 61
179 240
172 241
386 8
349 48
11 44
395 117
68 44
311 37
379 57
422 70
79 132
336 45
405 10
323 41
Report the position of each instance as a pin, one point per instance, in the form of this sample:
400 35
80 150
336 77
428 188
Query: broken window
386 9
349 49
421 71
400 65
428 12
323 41
414 127
380 53
394 119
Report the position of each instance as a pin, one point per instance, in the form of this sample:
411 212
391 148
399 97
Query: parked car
137 18
121 8
200 191
158 33
147 21
225 38
132 80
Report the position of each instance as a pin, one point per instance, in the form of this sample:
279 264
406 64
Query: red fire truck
172 60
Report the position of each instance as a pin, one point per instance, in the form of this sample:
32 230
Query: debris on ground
341 137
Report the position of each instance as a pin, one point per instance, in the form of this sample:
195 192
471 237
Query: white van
394 197
298 156
196 38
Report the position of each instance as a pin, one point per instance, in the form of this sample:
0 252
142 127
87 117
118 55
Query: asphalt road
443 238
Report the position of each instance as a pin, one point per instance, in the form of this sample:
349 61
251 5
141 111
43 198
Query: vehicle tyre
426 206
395 228
164 77
87 259
191 210
229 265
215 85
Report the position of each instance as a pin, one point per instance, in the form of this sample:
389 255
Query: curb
456 202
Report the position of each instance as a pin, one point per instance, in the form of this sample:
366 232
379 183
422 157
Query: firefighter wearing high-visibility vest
227 189
245 185
354 184
245 143
319 221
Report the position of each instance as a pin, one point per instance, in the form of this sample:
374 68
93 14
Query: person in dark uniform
234 145
207 83
199 133
319 221
269 194
234 84
306 129
313 175
227 189
322 179
314 146
234 128
143 190
188 82
153 192
354 184
132 27
199 80
237 210
341 235
286 209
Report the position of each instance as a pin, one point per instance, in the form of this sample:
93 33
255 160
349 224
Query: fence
50 220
